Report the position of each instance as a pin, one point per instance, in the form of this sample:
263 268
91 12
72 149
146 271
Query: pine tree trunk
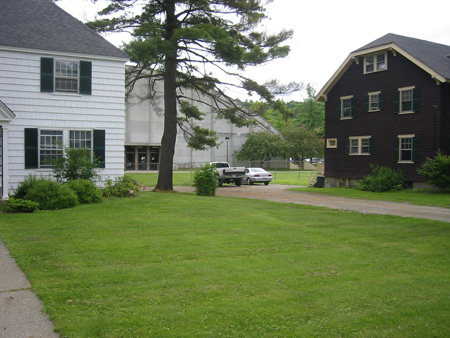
165 177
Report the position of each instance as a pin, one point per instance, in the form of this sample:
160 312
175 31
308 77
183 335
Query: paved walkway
21 311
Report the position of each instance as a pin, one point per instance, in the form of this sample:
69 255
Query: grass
414 196
179 265
186 178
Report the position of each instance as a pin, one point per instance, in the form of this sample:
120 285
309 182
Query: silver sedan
257 175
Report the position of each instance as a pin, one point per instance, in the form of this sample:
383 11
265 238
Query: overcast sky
326 32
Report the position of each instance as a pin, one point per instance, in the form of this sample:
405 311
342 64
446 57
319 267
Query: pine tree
188 44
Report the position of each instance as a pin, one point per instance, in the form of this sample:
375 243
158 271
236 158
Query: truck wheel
266 183
238 182
220 183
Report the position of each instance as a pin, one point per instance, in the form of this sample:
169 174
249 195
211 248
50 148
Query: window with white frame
406 100
50 147
346 107
375 63
66 76
374 101
80 139
332 143
361 145
406 149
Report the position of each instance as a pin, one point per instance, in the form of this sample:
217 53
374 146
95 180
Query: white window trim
375 65
62 92
65 141
46 168
359 138
329 145
370 106
349 97
400 90
400 137
92 137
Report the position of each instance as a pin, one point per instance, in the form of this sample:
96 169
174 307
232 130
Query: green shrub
437 171
25 185
382 179
205 181
86 191
122 187
19 205
77 163
50 195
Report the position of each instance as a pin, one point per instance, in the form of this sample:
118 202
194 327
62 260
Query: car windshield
257 170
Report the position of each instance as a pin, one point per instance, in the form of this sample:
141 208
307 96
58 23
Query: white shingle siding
104 109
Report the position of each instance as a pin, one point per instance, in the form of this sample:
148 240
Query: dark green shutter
396 149
347 146
46 75
339 104
416 100
99 147
353 113
31 148
380 101
367 102
396 102
85 77
370 146
415 149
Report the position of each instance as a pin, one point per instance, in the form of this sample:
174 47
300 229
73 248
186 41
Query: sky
325 32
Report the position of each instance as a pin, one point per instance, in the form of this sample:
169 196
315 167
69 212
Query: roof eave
63 53
322 95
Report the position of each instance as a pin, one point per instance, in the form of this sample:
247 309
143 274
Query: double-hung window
374 101
43 147
406 149
66 76
406 100
347 107
80 139
375 63
50 147
360 145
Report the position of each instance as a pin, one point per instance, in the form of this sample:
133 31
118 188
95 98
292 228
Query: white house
61 84
145 126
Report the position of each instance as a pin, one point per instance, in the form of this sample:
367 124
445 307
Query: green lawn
179 265
186 178
420 197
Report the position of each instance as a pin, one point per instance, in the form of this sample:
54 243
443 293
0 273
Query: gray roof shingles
42 25
434 55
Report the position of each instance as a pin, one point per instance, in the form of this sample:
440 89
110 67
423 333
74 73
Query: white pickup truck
227 174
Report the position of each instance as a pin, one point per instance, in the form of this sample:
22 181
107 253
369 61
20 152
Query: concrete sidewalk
20 310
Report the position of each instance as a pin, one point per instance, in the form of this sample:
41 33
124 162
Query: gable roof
432 57
6 114
42 25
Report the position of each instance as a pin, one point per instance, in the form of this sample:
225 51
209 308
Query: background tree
309 113
186 44
261 146
437 171
302 143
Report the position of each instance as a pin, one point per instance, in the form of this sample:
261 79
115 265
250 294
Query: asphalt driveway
281 193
